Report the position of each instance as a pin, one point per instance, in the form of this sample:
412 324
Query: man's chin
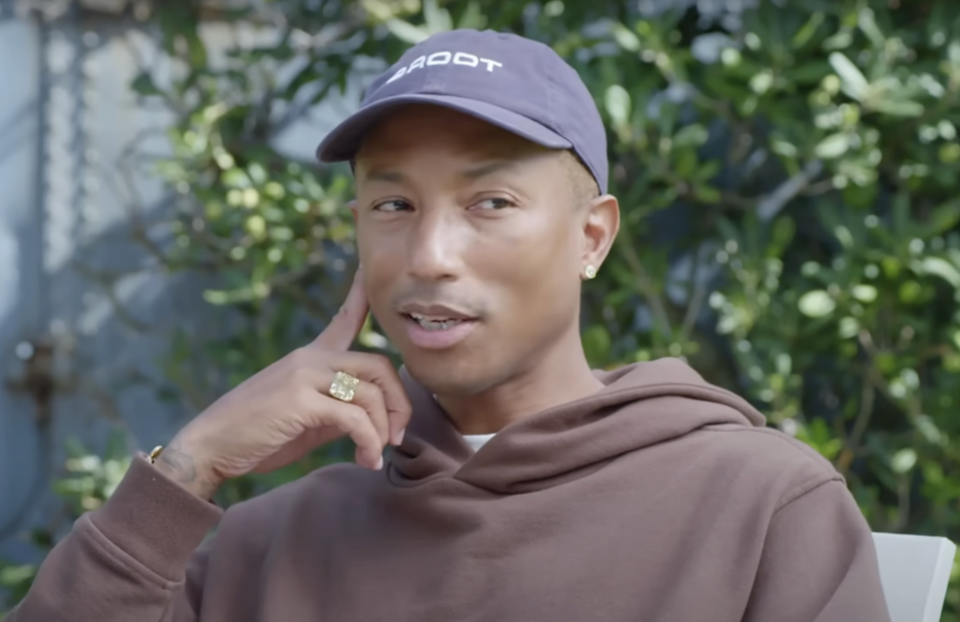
453 376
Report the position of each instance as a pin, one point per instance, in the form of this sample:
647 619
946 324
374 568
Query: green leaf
849 327
235 178
806 32
12 575
953 54
617 103
707 194
833 146
816 304
472 17
686 162
626 38
844 236
708 170
910 291
897 108
938 266
693 135
761 81
817 434
868 24
864 293
406 31
436 19
852 81
903 460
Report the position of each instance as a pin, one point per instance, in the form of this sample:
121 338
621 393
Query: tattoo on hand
179 463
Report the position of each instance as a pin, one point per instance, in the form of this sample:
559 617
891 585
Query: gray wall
22 281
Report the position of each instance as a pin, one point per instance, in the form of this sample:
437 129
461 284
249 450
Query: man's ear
353 208
600 226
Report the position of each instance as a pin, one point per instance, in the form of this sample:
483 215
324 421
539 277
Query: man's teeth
433 324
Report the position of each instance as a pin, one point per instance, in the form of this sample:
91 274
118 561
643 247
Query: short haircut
583 186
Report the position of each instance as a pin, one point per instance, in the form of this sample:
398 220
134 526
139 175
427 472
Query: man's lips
435 312
437 334
435 325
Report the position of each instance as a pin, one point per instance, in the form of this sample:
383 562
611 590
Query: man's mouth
436 323
437 326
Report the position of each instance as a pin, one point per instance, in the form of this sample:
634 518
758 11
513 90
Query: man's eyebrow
380 174
489 168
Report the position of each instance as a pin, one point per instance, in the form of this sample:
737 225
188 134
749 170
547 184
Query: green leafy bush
787 179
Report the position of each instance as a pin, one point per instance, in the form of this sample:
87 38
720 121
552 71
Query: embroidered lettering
434 58
463 59
417 63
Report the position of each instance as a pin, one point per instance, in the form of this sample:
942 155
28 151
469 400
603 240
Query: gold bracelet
153 455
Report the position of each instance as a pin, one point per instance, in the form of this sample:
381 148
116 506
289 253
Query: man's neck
562 376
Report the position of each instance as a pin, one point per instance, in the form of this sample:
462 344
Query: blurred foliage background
788 177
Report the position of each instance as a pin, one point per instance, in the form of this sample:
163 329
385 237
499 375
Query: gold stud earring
590 271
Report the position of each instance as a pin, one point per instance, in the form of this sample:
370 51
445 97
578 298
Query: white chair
914 571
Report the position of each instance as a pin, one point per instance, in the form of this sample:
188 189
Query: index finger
347 323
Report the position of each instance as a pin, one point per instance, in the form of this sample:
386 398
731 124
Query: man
521 485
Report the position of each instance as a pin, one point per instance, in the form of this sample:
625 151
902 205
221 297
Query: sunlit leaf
864 293
407 32
833 146
816 304
897 107
904 460
626 38
938 266
617 101
852 80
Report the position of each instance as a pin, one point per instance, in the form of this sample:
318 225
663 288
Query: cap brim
342 143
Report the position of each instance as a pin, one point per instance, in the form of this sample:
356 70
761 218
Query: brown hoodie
660 498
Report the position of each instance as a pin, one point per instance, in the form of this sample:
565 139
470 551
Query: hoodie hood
640 405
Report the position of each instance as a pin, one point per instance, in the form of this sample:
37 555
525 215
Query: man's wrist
183 468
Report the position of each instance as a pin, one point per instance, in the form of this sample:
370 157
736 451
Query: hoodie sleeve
135 558
819 563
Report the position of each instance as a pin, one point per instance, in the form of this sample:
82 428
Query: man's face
472 247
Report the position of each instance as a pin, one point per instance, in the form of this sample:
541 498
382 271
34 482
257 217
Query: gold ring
344 386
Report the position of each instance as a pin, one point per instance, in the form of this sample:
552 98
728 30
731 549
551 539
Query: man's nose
436 246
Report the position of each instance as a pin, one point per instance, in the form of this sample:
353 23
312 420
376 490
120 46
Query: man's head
475 233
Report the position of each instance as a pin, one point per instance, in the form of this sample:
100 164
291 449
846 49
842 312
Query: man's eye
494 204
395 205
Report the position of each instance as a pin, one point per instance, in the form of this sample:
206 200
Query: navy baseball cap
515 83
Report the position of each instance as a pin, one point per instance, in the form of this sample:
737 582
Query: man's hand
280 414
